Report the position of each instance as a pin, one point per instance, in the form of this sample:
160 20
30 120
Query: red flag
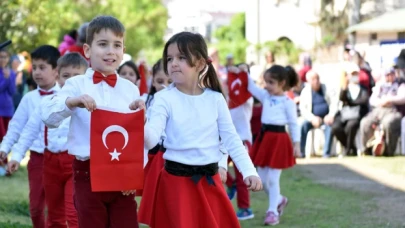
116 150
238 89
143 87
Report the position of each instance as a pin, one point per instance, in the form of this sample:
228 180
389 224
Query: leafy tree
30 23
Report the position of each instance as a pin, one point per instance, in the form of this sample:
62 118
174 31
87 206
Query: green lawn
311 204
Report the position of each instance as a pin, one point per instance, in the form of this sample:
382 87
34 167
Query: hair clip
209 60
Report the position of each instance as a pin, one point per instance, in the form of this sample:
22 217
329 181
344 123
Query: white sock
274 189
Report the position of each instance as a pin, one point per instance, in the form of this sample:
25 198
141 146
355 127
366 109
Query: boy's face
69 71
43 74
105 52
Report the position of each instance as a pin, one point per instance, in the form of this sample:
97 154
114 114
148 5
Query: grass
311 204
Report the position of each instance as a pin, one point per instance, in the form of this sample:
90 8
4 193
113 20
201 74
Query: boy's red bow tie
43 93
110 79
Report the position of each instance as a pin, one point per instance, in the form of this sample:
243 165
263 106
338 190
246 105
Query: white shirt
277 110
27 106
54 111
193 126
241 117
57 137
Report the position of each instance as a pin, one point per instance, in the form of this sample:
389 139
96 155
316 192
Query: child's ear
86 49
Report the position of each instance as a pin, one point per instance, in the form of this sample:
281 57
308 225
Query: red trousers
101 209
242 193
37 194
58 185
3 126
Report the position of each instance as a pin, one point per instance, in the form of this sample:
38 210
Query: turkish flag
238 89
143 87
116 150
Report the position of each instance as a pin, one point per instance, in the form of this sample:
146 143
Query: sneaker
282 205
244 214
231 191
271 219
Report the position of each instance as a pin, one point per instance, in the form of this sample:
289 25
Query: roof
388 22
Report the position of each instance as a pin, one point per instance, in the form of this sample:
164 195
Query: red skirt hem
274 150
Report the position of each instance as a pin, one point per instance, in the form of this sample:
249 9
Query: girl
7 90
155 163
129 71
193 114
272 151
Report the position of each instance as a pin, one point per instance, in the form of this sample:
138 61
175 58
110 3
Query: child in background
129 71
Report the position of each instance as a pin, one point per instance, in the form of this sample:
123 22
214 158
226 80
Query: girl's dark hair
131 65
286 74
247 65
155 69
193 45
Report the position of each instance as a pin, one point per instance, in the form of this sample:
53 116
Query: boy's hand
83 101
3 157
253 183
222 173
127 193
297 150
137 104
12 166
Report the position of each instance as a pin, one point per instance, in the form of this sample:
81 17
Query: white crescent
116 128
233 84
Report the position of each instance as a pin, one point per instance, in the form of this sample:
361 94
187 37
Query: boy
44 73
100 85
57 171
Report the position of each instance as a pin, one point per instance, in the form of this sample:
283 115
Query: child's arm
255 90
8 81
232 142
291 110
15 126
56 108
30 133
156 123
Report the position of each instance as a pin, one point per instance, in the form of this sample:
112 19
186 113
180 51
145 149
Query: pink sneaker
282 205
271 219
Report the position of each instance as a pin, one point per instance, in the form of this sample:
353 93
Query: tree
30 23
232 38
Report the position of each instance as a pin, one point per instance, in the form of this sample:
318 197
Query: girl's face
273 86
128 73
4 58
178 68
161 80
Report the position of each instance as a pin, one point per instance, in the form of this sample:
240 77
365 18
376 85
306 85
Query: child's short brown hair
104 22
73 59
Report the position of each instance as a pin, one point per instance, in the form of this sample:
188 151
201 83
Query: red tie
43 93
110 79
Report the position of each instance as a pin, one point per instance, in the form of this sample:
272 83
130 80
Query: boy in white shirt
99 86
57 174
44 73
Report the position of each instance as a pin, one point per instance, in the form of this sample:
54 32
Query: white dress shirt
54 111
193 126
277 110
27 106
57 137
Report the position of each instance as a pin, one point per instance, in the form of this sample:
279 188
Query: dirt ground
387 189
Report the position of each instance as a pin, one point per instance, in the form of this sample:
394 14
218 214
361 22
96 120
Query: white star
114 155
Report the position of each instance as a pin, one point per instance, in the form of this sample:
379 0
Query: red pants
58 185
101 209
242 193
37 194
3 126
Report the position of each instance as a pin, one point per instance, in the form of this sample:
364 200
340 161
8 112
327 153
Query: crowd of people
200 116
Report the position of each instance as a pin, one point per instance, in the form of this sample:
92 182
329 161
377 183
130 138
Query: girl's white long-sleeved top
277 110
193 126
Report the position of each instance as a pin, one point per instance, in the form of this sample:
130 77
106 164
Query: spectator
355 106
318 106
68 40
388 100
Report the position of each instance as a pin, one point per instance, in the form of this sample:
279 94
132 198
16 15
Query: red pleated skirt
274 150
152 172
180 203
